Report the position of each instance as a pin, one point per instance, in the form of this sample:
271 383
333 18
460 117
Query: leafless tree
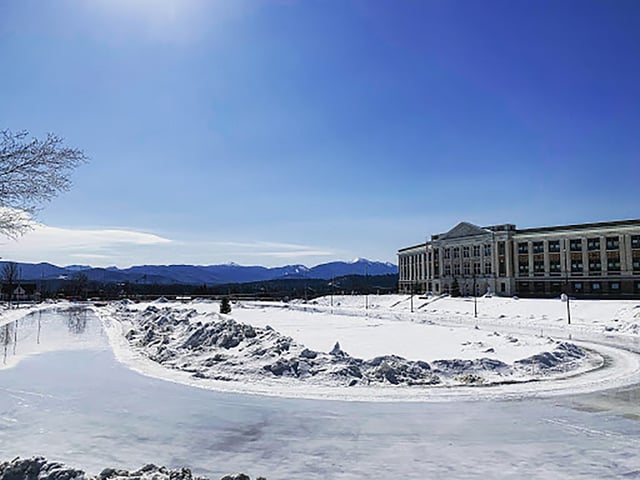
10 273
32 171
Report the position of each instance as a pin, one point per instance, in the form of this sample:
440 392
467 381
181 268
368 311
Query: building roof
463 229
420 245
583 226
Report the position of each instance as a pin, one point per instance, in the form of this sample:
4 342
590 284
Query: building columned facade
588 260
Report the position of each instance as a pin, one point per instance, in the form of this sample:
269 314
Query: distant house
21 292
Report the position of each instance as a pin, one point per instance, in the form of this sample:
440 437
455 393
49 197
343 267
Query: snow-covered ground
386 351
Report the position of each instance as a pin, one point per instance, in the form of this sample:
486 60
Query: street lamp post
412 289
475 298
366 287
566 281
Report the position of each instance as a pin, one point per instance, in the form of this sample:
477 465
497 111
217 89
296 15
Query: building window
456 269
538 266
613 243
595 265
635 262
502 268
501 248
476 250
465 252
447 253
554 266
635 241
456 252
554 246
476 269
487 250
503 287
538 247
576 263
523 247
595 286
613 263
577 287
466 268
593 244
487 268
575 245
615 286
447 270
523 265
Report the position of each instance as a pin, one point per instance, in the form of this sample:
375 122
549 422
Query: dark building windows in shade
613 262
575 245
635 241
538 247
523 247
554 246
595 264
538 266
576 263
613 243
523 264
593 244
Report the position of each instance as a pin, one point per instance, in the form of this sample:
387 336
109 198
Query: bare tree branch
32 172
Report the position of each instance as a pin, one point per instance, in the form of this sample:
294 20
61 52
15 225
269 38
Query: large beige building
590 260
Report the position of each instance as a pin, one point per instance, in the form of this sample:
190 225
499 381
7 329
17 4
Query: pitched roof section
463 229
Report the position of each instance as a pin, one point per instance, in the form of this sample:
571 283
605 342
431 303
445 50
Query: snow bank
38 468
217 347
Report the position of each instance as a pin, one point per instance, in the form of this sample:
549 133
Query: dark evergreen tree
225 306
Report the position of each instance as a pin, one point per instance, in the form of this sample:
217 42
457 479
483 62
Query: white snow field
514 348
72 401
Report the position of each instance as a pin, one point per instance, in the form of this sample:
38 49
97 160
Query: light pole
475 298
566 280
412 288
366 286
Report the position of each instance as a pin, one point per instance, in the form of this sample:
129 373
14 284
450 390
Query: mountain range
201 274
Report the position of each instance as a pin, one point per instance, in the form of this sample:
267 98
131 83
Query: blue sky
276 132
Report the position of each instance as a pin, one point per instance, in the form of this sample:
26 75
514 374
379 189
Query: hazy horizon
270 132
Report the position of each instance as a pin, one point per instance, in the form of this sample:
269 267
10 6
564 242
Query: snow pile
217 347
38 468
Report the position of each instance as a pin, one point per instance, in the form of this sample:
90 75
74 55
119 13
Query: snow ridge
214 346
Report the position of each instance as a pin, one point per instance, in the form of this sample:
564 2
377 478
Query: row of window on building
576 245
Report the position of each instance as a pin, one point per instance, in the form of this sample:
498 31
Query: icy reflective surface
84 408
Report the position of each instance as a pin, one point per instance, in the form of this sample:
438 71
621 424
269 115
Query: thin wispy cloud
126 247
